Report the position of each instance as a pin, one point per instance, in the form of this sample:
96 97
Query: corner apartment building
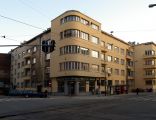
145 65
4 72
85 59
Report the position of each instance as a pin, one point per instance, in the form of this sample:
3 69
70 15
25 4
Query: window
28 51
85 22
82 86
116 49
60 86
103 82
122 51
70 33
95 54
149 62
95 40
19 55
109 58
84 51
85 66
33 72
148 82
116 71
74 65
130 53
130 73
109 46
96 27
150 72
23 53
95 67
34 49
122 82
84 35
123 72
130 63
73 49
28 62
34 60
109 70
70 18
18 65
122 61
116 60
74 33
149 52
48 56
102 43
116 82
102 57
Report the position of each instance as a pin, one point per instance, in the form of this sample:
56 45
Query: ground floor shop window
60 86
91 86
82 86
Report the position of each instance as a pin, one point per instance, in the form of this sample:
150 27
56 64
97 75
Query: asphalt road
118 107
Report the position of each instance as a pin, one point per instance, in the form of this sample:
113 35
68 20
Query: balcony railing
149 56
104 49
150 76
26 77
27 55
150 66
130 77
27 66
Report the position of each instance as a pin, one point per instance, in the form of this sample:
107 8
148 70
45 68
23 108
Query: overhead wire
21 22
30 6
9 38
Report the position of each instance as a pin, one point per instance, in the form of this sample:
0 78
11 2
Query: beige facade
145 68
87 57
85 60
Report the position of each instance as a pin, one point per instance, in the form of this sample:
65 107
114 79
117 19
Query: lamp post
151 5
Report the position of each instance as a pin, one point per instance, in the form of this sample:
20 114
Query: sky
131 20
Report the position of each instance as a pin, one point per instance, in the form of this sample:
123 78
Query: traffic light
52 46
48 46
45 46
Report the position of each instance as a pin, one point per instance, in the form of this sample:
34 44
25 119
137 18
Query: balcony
130 67
149 66
103 61
149 56
149 76
104 49
27 66
130 77
26 77
27 55
129 57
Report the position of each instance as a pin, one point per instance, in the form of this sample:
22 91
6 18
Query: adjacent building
145 66
86 60
29 65
4 72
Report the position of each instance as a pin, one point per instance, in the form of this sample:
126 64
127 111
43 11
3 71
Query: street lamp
151 5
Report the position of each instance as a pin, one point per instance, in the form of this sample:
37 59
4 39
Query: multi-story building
4 72
29 65
145 65
85 59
